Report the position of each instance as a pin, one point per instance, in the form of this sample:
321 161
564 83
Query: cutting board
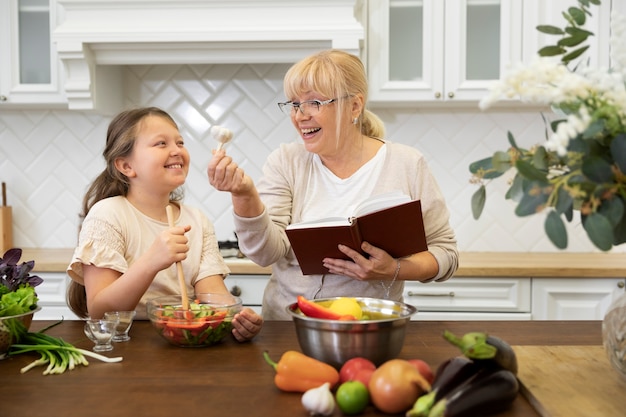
6 229
570 381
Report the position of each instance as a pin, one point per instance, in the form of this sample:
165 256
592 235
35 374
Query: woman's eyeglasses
307 108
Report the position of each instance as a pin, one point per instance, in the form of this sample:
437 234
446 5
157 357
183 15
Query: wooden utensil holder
6 229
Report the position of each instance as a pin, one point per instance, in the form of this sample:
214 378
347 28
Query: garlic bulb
319 401
222 135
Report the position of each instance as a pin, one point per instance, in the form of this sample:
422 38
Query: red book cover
399 230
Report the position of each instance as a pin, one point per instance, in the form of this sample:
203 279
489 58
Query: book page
381 201
325 222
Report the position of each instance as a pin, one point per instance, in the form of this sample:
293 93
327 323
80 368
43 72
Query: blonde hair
334 74
120 140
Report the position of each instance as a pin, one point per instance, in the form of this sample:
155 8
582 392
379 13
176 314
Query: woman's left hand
246 324
379 266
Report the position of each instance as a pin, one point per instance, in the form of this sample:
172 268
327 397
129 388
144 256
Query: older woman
343 158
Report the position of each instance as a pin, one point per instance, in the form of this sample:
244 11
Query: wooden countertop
472 264
231 379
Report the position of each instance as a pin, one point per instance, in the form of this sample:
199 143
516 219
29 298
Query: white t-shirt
114 234
330 196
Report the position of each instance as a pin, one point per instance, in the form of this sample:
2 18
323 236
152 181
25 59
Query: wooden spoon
179 266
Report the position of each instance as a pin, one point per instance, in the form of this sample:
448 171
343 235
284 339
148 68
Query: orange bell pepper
318 311
297 372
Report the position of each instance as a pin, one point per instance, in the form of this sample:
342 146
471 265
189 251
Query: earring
355 120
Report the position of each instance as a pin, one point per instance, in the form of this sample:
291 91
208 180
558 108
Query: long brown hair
120 141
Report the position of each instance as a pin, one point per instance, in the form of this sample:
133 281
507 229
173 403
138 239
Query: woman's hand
226 175
379 266
246 324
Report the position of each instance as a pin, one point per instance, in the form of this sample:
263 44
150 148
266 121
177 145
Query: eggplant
448 376
485 350
489 391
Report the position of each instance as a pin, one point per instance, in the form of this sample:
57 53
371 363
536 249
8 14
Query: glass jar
614 334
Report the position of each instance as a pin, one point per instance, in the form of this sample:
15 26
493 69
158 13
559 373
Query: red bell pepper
318 311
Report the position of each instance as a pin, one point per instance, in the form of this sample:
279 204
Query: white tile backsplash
48 158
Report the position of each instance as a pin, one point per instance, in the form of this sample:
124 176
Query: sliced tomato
216 319
187 324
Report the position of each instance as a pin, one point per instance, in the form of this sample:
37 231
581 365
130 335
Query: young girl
126 251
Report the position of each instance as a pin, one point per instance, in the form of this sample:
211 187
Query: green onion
54 352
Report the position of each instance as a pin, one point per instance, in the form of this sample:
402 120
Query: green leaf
550 30
578 31
551 51
564 202
599 230
618 151
540 159
578 15
613 210
572 41
527 170
501 161
619 232
486 165
511 138
597 169
555 229
478 202
597 126
575 54
516 191
532 202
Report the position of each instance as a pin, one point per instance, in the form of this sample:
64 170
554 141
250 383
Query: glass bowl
207 322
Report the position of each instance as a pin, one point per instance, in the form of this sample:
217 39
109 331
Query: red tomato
363 375
423 369
352 366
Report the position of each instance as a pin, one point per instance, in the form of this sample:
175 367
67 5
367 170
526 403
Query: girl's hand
169 247
226 175
246 325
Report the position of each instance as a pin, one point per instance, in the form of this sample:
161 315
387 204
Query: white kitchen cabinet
438 50
542 12
52 297
249 288
575 298
461 298
30 72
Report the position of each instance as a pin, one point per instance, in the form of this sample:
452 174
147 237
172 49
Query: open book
389 221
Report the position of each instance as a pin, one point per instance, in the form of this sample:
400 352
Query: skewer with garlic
222 135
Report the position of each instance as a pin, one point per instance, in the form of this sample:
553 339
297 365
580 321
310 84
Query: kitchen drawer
51 293
248 287
469 316
574 298
458 294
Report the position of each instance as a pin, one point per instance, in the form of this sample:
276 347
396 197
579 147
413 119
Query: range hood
96 37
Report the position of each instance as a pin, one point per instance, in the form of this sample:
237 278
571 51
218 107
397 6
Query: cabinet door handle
418 294
235 290
3 98
620 284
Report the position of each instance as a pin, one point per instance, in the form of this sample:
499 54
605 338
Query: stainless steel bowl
335 341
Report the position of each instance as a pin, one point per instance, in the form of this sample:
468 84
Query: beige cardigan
282 188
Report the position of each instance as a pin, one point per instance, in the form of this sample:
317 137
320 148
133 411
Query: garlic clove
221 134
319 401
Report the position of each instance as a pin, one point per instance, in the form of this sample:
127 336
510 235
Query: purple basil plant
12 275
